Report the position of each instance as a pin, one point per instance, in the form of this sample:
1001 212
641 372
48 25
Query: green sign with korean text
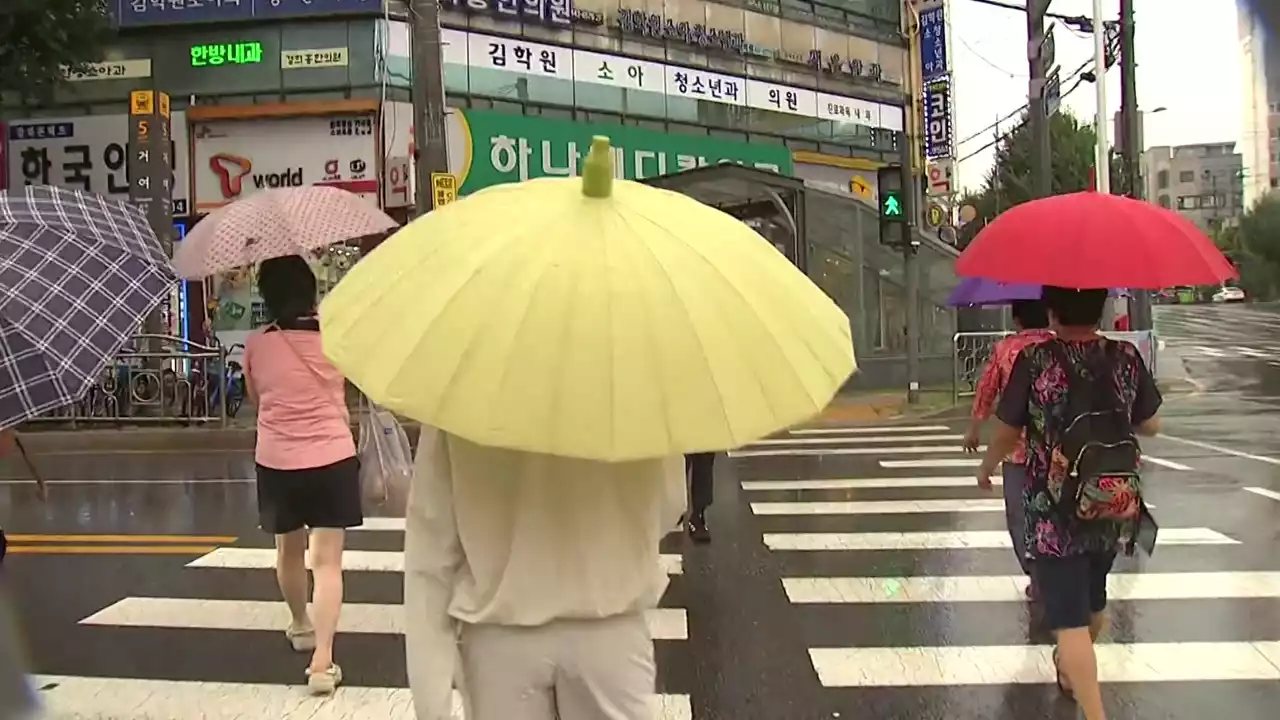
490 148
215 54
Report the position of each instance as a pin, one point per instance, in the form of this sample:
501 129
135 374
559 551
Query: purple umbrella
978 291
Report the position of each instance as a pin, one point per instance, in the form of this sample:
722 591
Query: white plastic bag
386 460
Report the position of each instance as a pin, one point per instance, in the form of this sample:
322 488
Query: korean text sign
937 120
134 13
510 148
87 153
933 42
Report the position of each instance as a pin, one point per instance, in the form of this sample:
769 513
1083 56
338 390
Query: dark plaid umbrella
78 273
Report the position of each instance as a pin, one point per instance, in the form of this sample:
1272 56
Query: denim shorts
1072 588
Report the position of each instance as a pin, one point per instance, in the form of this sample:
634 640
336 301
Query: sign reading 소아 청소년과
523 57
933 42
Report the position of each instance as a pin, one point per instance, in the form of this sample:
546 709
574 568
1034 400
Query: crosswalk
219 622
900 578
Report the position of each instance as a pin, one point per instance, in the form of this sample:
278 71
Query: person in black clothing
700 468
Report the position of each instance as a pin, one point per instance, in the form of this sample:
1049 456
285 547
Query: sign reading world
135 13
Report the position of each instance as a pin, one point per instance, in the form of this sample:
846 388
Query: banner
490 148
933 42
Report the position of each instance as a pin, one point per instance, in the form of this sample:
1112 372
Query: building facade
1205 183
271 93
1260 61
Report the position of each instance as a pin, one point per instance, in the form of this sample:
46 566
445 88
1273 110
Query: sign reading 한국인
135 13
933 42
937 120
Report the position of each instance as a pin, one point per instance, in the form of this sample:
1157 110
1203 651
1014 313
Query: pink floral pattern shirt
996 377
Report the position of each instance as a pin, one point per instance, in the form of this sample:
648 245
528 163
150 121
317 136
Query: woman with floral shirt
1032 322
1071 557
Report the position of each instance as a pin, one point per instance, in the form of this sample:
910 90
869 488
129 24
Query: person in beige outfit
527 578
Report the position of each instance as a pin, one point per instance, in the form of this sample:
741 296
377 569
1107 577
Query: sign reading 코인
937 120
490 148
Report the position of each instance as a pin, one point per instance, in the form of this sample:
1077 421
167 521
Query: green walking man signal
891 204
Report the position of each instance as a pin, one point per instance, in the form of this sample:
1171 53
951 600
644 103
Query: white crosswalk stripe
264 618
915 540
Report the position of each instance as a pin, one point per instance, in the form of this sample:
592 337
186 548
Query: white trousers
564 670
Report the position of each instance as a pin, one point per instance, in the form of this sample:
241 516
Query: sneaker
326 681
303 639
698 532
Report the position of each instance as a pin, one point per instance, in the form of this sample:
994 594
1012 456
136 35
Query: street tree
1255 248
41 39
1011 178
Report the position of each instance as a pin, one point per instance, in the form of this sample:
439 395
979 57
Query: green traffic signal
891 205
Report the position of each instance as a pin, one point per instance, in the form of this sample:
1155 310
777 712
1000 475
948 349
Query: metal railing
160 379
972 350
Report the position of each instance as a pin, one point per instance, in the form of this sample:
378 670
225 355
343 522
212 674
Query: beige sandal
302 639
326 681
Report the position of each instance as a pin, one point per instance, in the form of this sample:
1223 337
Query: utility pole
911 270
431 153
1039 60
1130 134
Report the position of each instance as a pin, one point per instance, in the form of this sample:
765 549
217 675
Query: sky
1188 62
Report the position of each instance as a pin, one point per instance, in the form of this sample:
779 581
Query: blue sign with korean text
933 42
135 13
938 140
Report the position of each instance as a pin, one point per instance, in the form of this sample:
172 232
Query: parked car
1228 295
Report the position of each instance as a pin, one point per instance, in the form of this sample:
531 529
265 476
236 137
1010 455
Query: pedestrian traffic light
892 204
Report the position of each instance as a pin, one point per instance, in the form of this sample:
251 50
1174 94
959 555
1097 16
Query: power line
1070 19
996 141
1075 75
984 59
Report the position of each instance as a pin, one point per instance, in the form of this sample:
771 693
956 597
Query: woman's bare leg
291 574
326 606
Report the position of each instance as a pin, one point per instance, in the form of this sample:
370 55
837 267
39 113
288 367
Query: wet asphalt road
853 574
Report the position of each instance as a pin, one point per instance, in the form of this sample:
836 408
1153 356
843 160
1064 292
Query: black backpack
1097 441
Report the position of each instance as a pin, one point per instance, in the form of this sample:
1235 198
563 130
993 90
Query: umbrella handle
42 489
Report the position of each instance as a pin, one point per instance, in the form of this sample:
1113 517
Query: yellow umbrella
592 318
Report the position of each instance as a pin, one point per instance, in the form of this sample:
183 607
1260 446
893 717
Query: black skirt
320 497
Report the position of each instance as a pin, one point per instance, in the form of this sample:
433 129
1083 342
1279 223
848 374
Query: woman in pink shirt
1031 319
308 474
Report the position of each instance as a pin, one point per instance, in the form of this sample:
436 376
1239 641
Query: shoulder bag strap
320 381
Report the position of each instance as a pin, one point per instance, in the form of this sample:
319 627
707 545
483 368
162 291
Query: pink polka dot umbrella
275 223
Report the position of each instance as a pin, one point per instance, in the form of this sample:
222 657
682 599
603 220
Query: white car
1229 294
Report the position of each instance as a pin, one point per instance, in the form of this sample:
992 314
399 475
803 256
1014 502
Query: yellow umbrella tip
597 169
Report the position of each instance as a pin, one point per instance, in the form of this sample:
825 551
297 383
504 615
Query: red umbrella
1094 240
